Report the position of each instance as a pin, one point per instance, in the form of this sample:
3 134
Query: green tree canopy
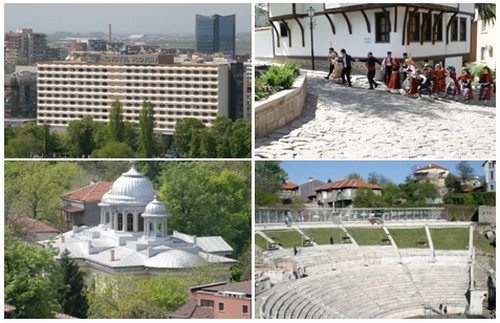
31 279
34 188
116 125
206 199
269 176
72 296
355 175
147 141
185 130
465 171
81 137
114 149
365 197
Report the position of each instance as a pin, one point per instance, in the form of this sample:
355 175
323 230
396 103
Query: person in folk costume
394 83
332 57
370 62
403 68
455 85
465 81
411 72
387 67
440 83
428 71
486 81
337 70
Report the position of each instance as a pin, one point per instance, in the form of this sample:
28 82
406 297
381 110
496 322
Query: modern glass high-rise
216 34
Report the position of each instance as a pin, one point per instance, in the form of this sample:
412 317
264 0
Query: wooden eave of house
410 9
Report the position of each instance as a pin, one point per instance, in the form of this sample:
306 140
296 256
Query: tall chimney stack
109 36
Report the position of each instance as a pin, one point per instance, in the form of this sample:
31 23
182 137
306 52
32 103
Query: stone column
136 221
124 220
115 220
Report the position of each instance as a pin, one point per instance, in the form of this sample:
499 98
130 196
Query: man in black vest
346 70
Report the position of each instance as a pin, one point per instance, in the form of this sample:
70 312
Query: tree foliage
113 149
365 197
34 188
269 176
136 297
81 137
72 296
465 171
116 126
31 279
147 141
207 199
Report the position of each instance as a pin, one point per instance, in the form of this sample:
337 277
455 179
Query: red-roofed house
218 301
80 206
435 174
32 230
340 194
288 191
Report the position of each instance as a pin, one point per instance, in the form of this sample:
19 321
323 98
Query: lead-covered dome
174 258
155 209
131 187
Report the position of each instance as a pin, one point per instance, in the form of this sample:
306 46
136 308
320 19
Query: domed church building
132 238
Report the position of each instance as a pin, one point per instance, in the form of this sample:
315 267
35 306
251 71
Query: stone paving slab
341 122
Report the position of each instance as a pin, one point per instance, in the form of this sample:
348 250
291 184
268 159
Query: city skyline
147 18
300 171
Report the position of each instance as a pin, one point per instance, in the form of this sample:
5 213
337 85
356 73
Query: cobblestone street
357 123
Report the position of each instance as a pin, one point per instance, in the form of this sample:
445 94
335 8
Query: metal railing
291 215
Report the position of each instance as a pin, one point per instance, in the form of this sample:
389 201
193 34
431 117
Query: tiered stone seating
375 289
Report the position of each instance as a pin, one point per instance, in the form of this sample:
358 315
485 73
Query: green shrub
277 78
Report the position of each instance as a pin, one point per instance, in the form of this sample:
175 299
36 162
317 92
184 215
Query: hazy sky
300 171
146 18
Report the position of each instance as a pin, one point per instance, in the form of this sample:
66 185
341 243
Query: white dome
155 209
131 187
174 258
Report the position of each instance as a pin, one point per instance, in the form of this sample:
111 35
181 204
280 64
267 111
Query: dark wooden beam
434 26
425 19
388 17
302 31
277 33
395 18
412 14
331 22
405 20
289 33
448 28
348 22
367 20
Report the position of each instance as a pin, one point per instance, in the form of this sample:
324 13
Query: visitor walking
486 82
370 66
346 70
332 57
387 67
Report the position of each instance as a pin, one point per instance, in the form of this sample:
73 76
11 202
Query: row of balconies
198 70
104 116
161 110
147 78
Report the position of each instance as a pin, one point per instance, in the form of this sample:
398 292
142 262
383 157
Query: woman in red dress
486 81
440 84
411 72
394 83
453 76
465 80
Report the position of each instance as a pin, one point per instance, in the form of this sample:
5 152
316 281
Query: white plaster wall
264 42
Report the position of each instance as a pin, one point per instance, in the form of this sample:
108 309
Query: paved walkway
357 123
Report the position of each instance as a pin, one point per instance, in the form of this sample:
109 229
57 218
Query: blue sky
137 18
300 171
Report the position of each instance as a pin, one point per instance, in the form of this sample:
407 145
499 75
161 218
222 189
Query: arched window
141 222
130 222
120 221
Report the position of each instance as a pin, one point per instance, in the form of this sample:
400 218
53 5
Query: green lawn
366 237
322 235
450 238
286 238
260 241
407 238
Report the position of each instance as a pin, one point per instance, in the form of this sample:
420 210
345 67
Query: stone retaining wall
281 108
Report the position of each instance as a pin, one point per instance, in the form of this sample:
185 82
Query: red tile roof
32 225
89 193
431 166
192 311
289 186
348 183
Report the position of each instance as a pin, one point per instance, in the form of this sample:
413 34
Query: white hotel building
70 90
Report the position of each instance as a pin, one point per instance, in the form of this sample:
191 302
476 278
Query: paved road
356 123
